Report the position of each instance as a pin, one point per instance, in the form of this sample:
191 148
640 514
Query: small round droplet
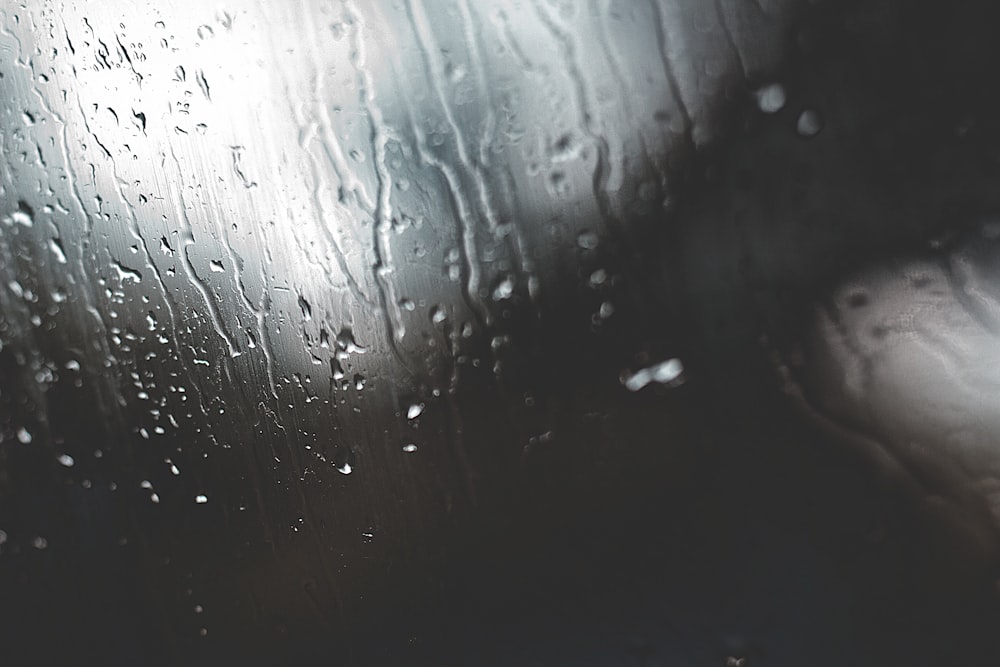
201 499
66 460
24 436
587 240
414 411
771 98
809 123
503 290
409 448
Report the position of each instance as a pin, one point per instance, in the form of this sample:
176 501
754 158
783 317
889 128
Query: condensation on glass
290 292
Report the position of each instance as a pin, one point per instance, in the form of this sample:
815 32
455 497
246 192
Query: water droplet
203 84
343 460
559 183
598 278
306 308
24 436
66 460
24 215
771 98
39 543
587 240
564 148
409 448
346 342
55 245
809 123
126 273
414 411
438 314
216 266
504 289
668 372
201 499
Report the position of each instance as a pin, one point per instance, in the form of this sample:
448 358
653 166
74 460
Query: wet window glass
405 332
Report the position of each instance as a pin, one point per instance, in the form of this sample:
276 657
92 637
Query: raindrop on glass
668 372
809 123
771 98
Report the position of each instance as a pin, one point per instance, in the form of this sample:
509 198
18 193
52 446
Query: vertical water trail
382 213
464 213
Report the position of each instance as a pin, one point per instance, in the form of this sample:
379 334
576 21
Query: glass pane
491 333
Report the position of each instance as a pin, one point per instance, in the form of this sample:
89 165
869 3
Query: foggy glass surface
501 333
